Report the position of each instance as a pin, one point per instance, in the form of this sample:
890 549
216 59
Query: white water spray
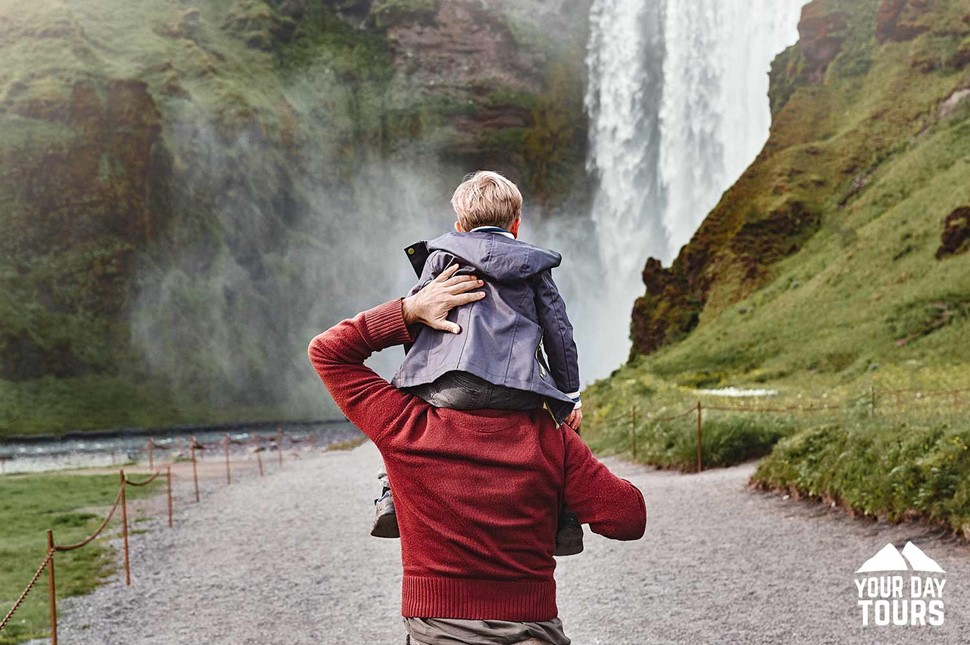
678 106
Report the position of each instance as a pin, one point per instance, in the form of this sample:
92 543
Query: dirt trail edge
287 559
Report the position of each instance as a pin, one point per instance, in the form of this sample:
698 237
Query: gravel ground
287 559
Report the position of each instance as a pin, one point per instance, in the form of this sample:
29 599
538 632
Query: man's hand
431 305
575 419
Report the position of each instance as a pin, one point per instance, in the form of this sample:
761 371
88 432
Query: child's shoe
385 519
569 535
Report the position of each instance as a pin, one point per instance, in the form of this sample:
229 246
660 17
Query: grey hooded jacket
503 335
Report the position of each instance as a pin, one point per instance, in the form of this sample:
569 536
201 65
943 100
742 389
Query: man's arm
338 354
557 336
612 507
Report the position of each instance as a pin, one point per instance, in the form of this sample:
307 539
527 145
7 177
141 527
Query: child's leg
385 517
569 532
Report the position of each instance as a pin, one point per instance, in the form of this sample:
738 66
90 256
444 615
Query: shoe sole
568 548
385 526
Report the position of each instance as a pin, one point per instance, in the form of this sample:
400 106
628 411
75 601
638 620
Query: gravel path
287 559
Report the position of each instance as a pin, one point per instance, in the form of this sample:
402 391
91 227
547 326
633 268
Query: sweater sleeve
338 354
612 507
557 336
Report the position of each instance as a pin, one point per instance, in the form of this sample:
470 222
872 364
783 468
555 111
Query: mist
272 243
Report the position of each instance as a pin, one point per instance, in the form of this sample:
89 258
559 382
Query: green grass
902 467
72 506
59 405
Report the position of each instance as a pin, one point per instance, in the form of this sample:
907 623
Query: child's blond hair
486 198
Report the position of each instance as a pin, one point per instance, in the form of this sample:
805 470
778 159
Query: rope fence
883 398
120 501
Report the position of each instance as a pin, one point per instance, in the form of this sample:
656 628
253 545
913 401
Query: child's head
486 198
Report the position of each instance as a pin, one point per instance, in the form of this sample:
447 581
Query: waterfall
678 108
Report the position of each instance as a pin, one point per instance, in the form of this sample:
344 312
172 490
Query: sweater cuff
384 326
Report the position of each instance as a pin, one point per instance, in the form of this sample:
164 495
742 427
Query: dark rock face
465 49
82 209
956 233
821 34
899 20
506 97
671 308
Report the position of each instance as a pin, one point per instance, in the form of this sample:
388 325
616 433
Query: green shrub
889 468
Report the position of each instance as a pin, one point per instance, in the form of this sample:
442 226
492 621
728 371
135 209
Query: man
473 488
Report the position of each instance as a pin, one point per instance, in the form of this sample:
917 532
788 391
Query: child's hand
431 305
575 419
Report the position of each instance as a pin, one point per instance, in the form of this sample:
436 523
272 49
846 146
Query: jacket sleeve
436 263
612 507
338 354
557 336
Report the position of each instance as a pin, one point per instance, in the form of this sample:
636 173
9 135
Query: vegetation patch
661 420
890 468
31 504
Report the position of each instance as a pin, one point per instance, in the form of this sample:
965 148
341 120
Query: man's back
475 488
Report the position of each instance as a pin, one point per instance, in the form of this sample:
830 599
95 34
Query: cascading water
678 107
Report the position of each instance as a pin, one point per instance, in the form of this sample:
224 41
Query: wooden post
168 481
151 454
700 465
633 430
178 441
50 584
872 400
279 445
225 443
258 440
309 440
124 528
195 470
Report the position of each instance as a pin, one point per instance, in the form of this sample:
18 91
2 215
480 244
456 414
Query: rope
88 539
676 416
819 408
142 483
30 585
922 392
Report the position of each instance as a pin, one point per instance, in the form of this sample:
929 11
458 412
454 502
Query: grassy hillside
837 262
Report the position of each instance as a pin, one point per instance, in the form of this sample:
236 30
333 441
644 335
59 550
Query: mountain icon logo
889 558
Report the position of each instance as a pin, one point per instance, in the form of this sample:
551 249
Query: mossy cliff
837 263
843 244
172 172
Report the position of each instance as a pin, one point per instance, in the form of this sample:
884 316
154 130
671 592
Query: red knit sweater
476 492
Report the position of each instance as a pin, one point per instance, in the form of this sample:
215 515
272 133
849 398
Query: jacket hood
497 256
